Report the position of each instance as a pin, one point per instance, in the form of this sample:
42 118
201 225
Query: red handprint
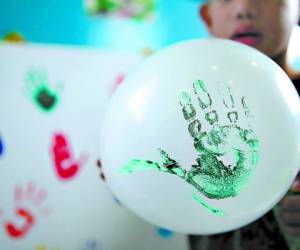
31 197
65 166
117 82
17 232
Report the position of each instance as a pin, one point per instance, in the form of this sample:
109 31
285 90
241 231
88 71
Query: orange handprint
44 247
26 201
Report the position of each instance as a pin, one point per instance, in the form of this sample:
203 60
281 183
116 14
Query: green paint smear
136 165
210 174
39 91
211 209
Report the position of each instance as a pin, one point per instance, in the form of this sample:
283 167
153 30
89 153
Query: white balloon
203 138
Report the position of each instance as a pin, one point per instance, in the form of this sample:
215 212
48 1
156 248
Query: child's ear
205 15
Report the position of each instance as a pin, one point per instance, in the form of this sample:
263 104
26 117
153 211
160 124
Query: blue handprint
1 147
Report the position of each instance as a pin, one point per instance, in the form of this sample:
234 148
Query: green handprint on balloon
227 154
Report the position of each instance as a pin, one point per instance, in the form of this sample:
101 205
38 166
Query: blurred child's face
263 24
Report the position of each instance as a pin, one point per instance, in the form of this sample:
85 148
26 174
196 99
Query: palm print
227 154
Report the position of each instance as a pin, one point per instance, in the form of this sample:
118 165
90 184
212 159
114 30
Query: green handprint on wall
227 154
39 90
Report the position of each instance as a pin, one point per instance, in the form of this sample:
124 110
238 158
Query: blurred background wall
79 22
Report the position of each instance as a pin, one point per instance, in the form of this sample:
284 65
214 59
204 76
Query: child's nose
246 9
